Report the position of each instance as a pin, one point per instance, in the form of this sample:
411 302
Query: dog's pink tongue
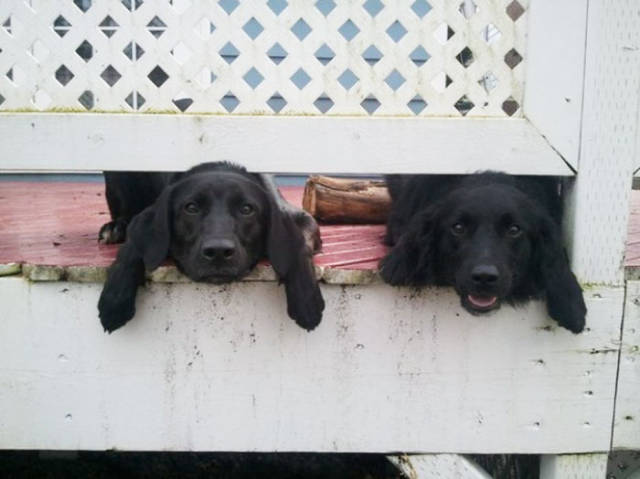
482 301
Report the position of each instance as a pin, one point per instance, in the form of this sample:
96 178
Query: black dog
492 236
216 221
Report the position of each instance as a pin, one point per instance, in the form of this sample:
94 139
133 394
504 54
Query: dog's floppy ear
565 303
292 262
410 262
150 231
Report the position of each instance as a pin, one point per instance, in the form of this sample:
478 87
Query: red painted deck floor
58 224
632 256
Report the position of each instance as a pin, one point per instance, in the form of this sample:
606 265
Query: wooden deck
57 224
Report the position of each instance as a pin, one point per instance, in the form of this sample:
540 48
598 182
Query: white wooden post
583 466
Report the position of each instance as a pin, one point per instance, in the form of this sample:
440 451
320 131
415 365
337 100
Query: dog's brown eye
191 208
246 209
514 231
458 229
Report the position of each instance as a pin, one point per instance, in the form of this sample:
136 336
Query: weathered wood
432 466
573 466
626 427
205 367
342 200
95 142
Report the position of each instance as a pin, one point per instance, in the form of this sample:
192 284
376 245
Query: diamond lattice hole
41 100
253 78
253 28
419 56
488 82
323 103
133 51
135 100
349 30
325 6
277 6
373 7
86 99
110 75
132 5
301 29
276 53
347 79
181 53
39 51
276 102
64 75
85 51
441 81
228 5
109 26
83 5
443 33
300 78
394 80
468 8
158 76
465 57
230 102
324 54
156 27
370 104
420 7
464 105
510 106
512 58
491 34
61 26
229 53
515 10
180 6
372 55
417 104
396 31
182 101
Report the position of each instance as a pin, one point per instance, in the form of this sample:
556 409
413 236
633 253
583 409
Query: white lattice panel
356 57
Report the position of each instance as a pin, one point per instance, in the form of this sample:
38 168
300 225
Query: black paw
393 272
116 308
306 309
113 232
569 312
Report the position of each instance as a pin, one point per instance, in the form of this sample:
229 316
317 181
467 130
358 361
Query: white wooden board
555 72
222 368
56 142
626 432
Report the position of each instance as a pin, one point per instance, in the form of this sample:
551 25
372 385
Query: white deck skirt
216 368
95 142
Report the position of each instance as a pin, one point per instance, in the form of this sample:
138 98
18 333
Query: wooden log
344 200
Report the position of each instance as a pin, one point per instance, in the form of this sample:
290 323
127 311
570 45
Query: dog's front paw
306 309
569 312
113 232
116 308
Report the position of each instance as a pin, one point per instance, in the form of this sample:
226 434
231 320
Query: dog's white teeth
482 301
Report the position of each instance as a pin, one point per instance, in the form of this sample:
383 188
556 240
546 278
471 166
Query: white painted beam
208 368
94 142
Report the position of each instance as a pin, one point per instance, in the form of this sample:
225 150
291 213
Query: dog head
492 243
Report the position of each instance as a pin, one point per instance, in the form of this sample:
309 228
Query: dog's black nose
218 249
485 275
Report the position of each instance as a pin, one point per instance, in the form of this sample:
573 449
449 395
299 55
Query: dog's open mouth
481 303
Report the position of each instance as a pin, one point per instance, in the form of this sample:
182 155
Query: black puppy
492 236
216 221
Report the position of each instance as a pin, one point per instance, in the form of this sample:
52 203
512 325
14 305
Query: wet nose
218 249
485 275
